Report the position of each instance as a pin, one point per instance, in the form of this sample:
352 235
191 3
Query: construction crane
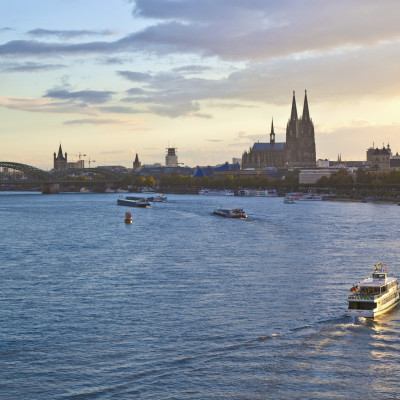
80 155
93 161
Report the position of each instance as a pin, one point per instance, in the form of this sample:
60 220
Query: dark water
186 305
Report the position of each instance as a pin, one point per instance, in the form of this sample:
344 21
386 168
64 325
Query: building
171 159
298 150
60 161
312 176
227 168
137 164
379 158
77 164
395 164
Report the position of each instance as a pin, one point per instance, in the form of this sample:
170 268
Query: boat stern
360 313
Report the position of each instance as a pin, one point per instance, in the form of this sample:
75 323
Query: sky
112 78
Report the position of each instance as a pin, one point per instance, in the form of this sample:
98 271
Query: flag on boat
354 289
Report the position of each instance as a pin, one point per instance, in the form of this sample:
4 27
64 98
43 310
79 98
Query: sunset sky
112 78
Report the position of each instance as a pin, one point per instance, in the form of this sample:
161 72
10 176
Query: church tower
292 133
60 162
307 145
137 164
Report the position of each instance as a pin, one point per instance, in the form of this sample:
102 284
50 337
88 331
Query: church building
298 150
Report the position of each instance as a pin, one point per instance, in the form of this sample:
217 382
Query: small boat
232 213
212 192
288 200
294 195
147 190
133 203
160 199
374 295
128 218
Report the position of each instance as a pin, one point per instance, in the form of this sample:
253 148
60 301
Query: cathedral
298 150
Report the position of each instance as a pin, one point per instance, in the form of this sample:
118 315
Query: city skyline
112 79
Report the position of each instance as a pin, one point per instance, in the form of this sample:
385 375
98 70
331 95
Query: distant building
60 161
298 150
322 163
395 164
379 158
137 164
237 160
114 168
78 164
159 170
227 168
171 159
312 176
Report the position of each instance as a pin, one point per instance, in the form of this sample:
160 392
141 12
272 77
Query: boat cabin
379 275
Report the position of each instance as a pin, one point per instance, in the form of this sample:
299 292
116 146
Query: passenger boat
374 295
212 192
258 193
133 203
310 197
232 213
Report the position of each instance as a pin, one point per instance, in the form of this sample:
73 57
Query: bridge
50 182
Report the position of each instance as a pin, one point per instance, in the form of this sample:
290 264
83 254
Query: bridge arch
27 169
108 175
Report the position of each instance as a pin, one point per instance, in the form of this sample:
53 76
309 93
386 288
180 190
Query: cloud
328 77
192 69
106 121
29 67
240 30
68 34
117 109
136 91
135 76
263 29
43 105
87 96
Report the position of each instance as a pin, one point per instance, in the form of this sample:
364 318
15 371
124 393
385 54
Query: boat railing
363 296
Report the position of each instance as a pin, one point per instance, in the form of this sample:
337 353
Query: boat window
359 305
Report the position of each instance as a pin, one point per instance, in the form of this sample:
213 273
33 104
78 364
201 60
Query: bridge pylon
50 188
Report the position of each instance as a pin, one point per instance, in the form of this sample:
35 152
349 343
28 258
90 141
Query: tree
127 180
363 177
150 182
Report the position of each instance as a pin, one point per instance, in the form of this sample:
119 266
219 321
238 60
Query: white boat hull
375 312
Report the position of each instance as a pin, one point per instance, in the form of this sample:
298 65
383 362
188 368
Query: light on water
182 304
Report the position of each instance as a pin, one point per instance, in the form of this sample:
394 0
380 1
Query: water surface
186 305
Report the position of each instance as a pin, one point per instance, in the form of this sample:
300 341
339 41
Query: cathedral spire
306 112
293 116
60 154
272 134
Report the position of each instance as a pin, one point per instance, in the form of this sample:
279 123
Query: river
183 304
